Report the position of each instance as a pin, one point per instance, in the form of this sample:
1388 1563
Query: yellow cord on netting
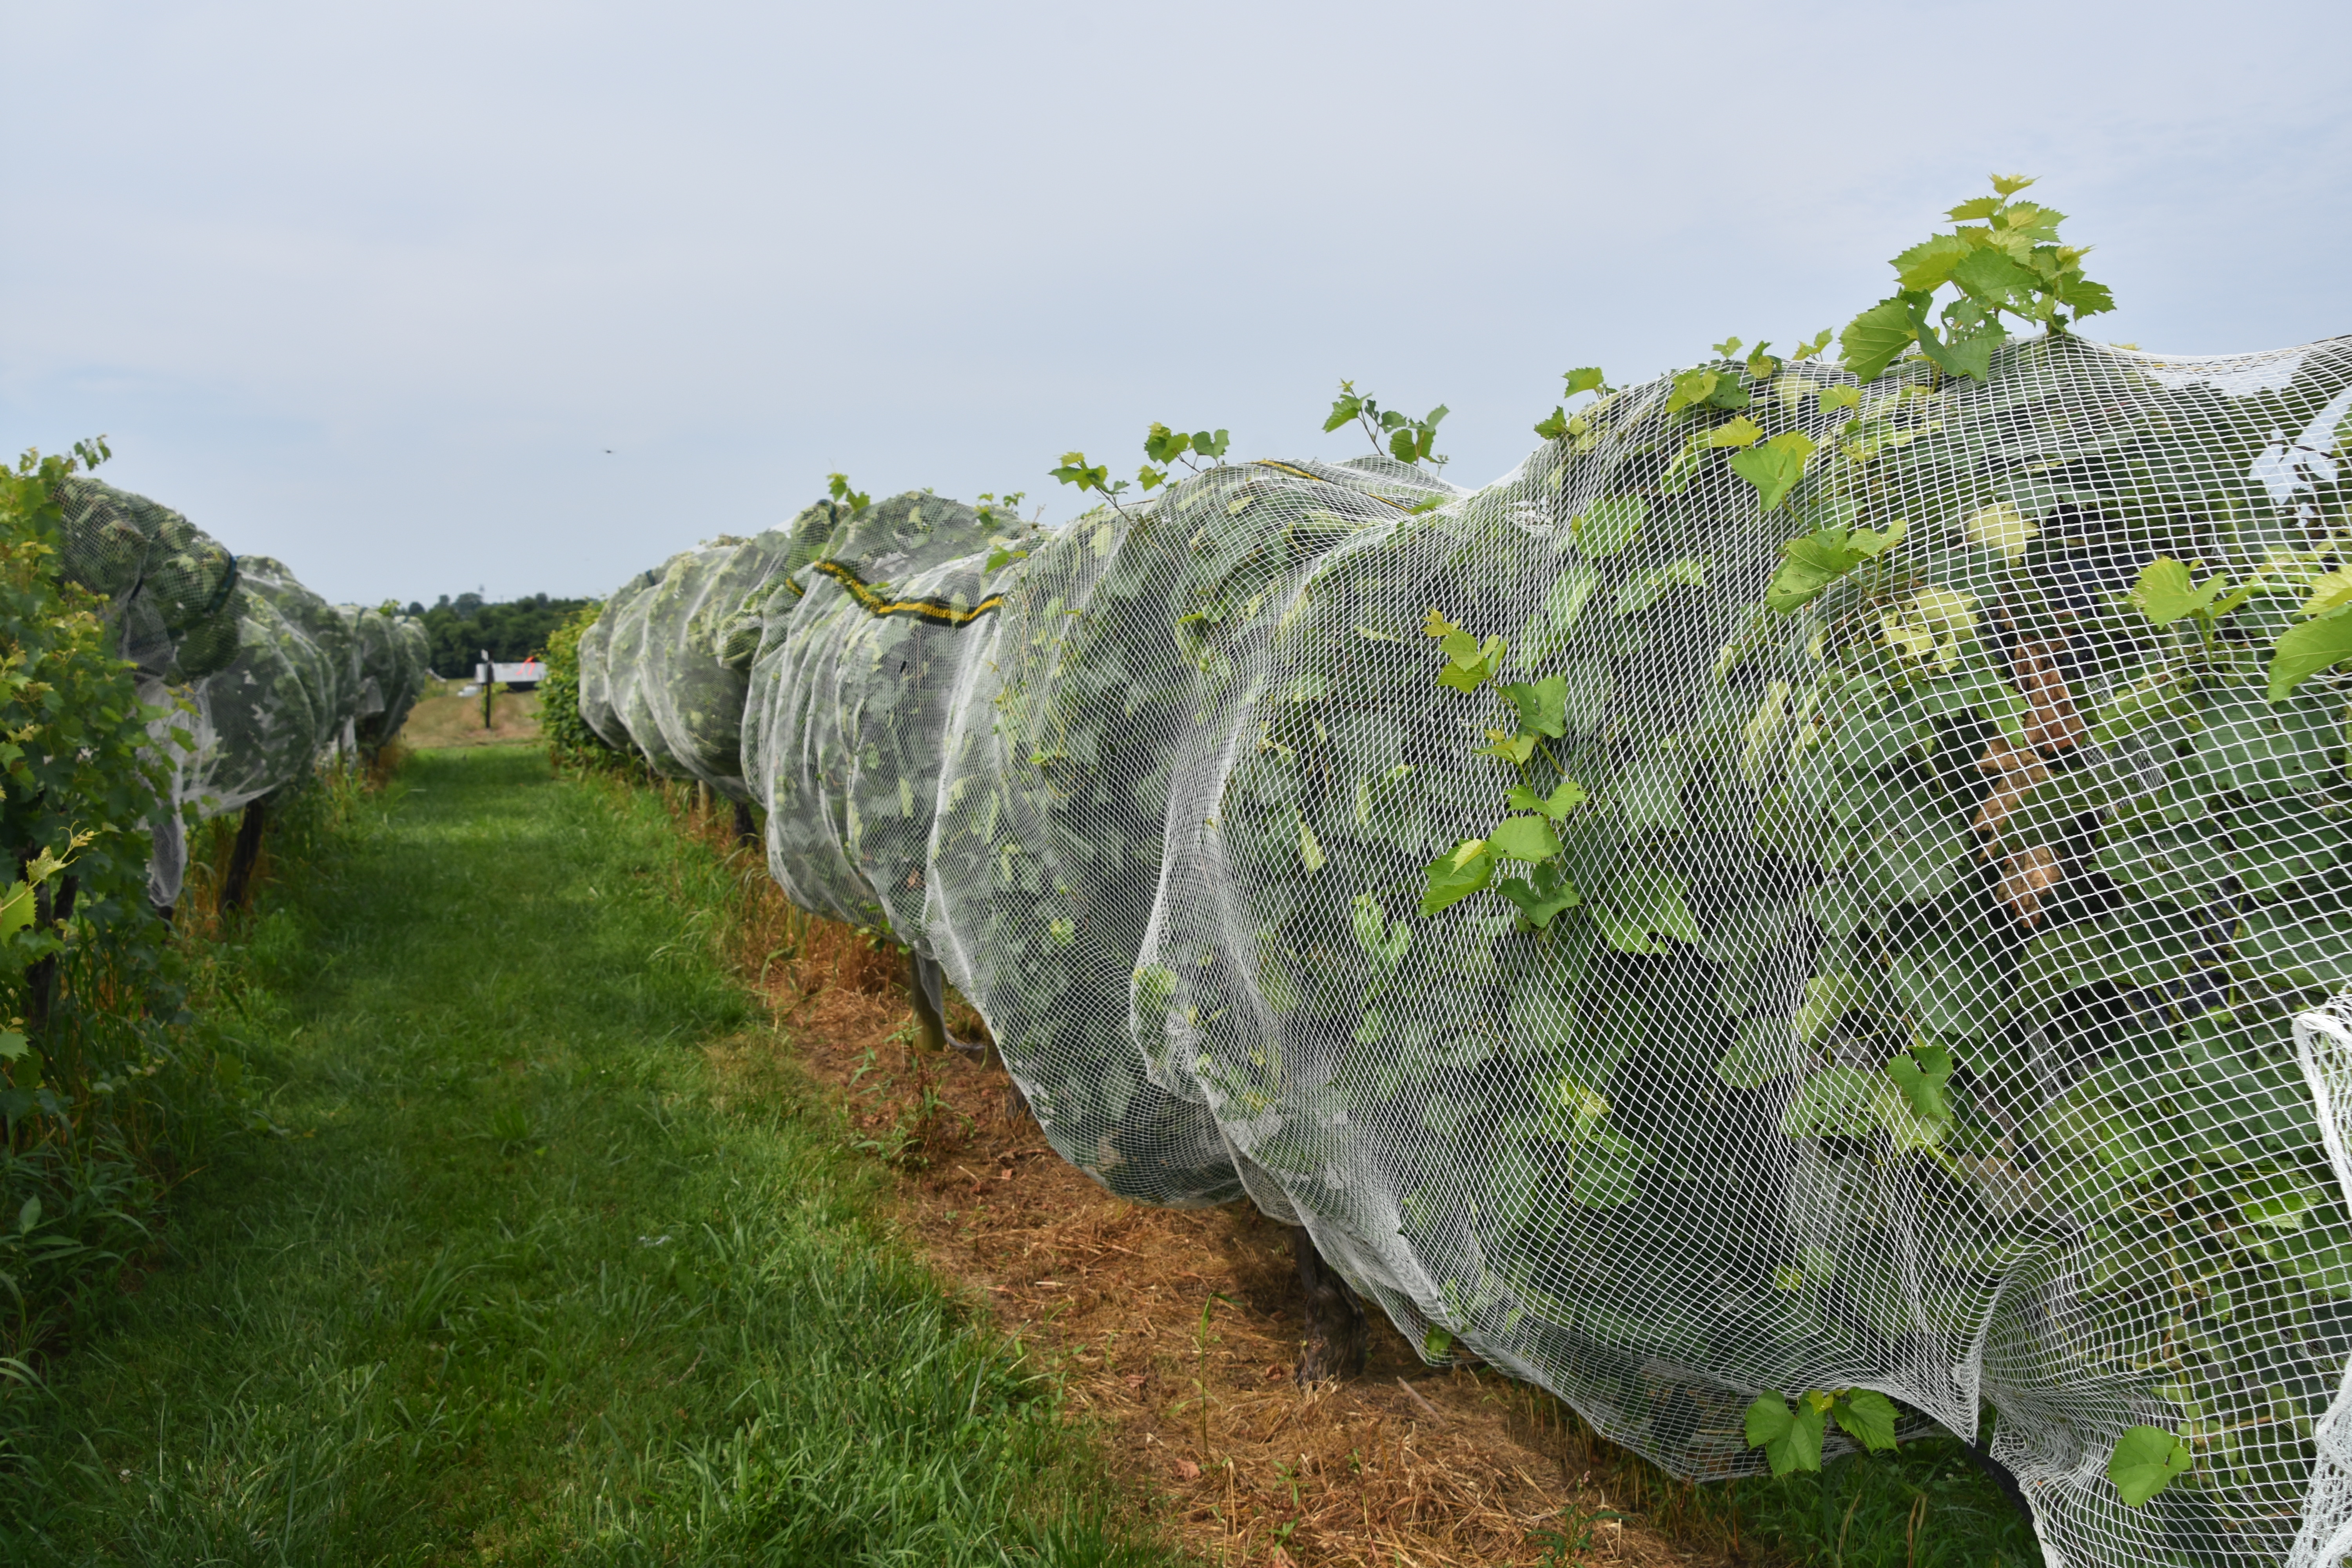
938 612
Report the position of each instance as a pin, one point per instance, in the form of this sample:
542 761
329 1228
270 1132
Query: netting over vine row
260 675
1892 986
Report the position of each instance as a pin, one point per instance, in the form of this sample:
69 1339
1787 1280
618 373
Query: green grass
521 1278
1925 1506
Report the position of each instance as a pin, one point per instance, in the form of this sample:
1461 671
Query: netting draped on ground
1922 1014
261 675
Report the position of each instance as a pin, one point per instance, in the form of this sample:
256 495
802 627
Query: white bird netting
1914 1002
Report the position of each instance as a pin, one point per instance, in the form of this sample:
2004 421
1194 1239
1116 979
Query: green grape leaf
1928 266
1469 663
1837 1101
13 1046
1839 397
1456 875
1808 566
1775 466
1758 1054
1587 378
1691 387
1741 431
2164 694
1828 998
1553 425
2165 592
1811 563
1467 678
1211 444
1919 1075
1563 800
1545 896
1987 276
1632 598
1542 705
2145 1461
1791 1439
1868 1417
2280 1201
1162 445
1512 749
2086 298
1387 952
2329 590
15 909
1877 338
1524 838
2030 220
1609 524
1344 408
1639 910
1076 470
1459 646
1813 345
1605 1166
2302 652
1968 350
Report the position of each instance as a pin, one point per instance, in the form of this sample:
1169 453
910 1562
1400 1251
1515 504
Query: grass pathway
516 1283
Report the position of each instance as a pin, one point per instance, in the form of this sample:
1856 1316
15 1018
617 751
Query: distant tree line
512 630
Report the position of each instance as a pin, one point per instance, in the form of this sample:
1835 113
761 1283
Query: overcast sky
427 297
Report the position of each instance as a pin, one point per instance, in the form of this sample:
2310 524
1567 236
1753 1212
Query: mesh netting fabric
1161 795
1109 652
1972 798
395 656
601 659
675 688
263 723
845 702
167 582
696 668
2323 1039
256 675
631 654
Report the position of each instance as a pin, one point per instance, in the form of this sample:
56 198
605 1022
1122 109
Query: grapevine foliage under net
1839 921
255 676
